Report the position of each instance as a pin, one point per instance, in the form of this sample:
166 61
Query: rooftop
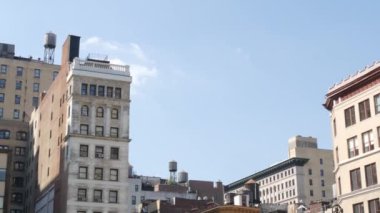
268 171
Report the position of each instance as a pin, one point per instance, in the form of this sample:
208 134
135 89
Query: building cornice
353 84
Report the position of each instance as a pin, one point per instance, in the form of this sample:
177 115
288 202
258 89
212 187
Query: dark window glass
373 205
358 208
84 110
114 153
349 115
118 93
98 174
356 182
364 110
2 83
83 151
82 172
5 134
114 132
99 152
99 131
18 85
84 89
100 90
92 89
110 92
84 129
115 113
82 194
370 174
99 112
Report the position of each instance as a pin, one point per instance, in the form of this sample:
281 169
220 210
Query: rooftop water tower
49 45
173 171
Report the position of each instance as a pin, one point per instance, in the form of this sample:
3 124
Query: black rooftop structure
267 172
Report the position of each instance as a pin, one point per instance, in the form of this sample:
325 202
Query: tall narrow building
355 120
81 137
21 82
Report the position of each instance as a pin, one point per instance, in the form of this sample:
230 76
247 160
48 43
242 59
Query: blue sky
219 86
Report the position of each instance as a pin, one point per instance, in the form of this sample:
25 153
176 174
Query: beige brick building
81 137
21 82
355 120
306 176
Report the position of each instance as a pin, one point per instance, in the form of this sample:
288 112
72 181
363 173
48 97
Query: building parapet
93 66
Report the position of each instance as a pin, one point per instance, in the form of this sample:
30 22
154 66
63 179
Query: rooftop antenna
50 41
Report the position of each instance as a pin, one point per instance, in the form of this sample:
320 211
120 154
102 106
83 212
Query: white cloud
142 67
98 43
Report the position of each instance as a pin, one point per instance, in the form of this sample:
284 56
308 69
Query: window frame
98 173
84 89
349 116
83 172
355 179
82 194
99 112
370 174
115 113
3 83
37 73
114 132
83 129
113 196
36 87
114 175
84 110
99 131
83 150
364 110
354 149
114 153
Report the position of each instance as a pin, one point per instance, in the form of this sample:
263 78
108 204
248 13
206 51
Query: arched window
115 113
84 110
99 112
21 135
5 134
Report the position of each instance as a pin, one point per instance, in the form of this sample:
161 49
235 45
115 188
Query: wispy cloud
142 67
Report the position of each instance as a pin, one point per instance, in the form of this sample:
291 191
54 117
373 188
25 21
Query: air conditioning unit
82 199
99 155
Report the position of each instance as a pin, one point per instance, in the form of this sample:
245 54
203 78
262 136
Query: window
311 193
322 183
334 126
84 110
142 198
82 194
337 154
321 161
133 200
84 89
1 97
5 134
323 193
356 182
310 182
17 181
18 85
370 174
2 83
18 166
1 112
55 73
322 173
115 113
310 172
110 92
83 150
353 148
118 93
36 87
99 131
98 195
349 115
377 103
4 68
114 133
35 101
358 208
84 129
3 173
101 91
373 205
364 110
16 198
112 196
136 188
92 89
99 152
82 172
19 71
99 112
16 211
17 99
98 174
20 151
368 142
16 114
114 153
37 73
114 174
339 186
